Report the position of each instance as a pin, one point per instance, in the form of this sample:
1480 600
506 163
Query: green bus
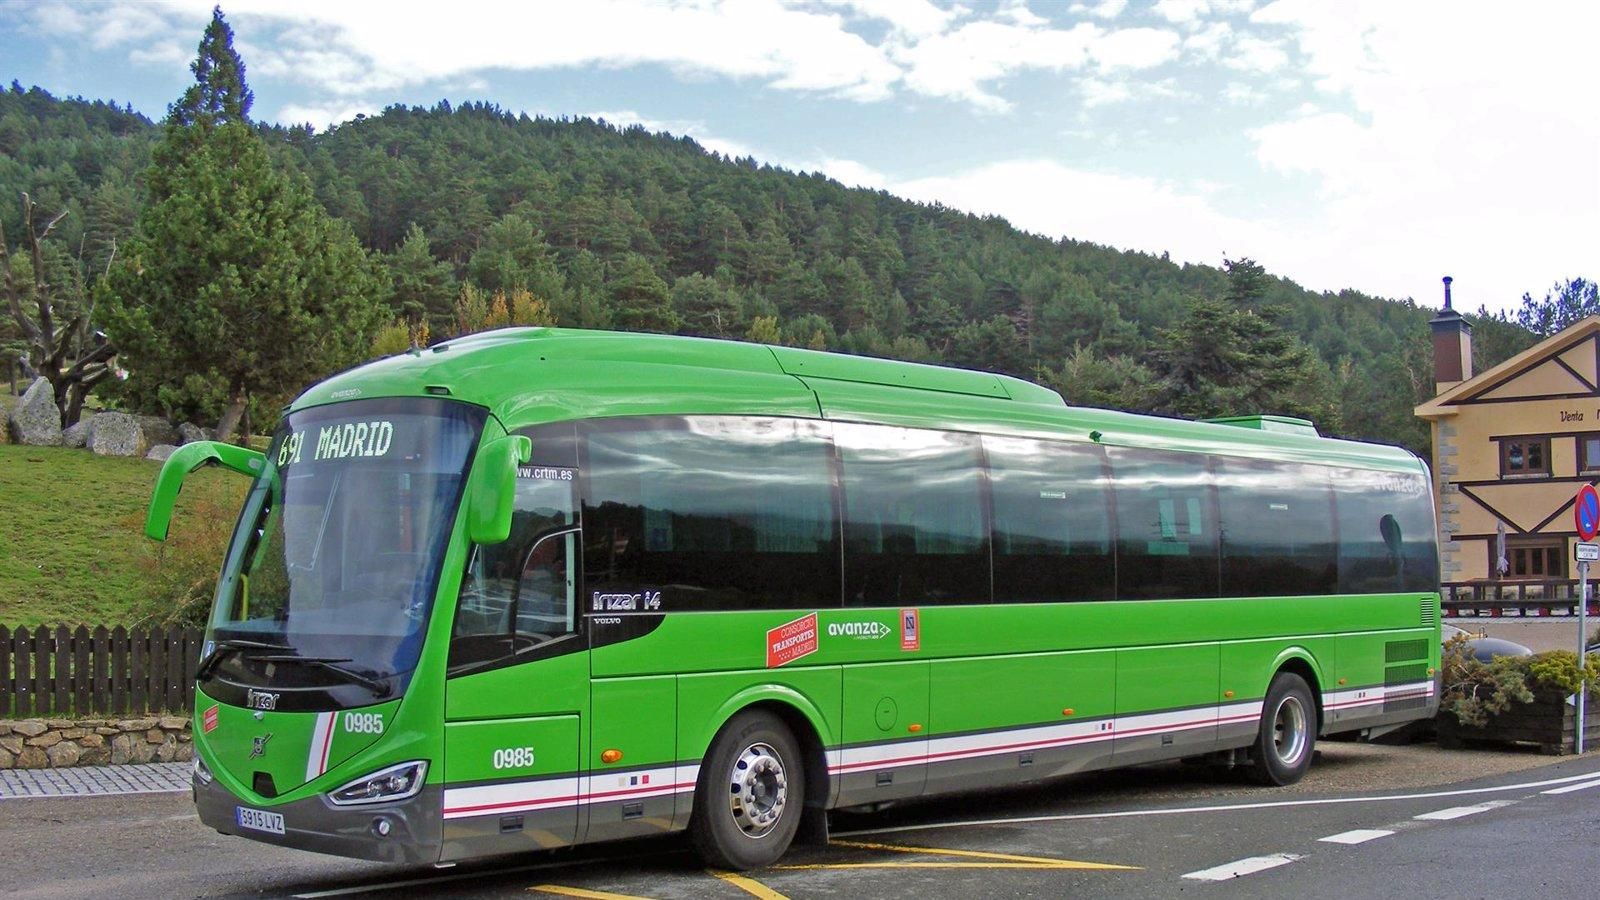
539 587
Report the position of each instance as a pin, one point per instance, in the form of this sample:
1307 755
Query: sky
1352 144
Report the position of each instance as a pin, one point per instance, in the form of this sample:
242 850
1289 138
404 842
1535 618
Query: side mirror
492 490
184 460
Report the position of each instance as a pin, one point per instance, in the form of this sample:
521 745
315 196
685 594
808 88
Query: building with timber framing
1511 445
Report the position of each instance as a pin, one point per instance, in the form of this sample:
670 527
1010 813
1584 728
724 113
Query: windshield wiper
210 662
331 664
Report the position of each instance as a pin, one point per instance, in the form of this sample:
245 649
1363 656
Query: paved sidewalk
154 778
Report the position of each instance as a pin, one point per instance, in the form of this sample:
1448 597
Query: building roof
1566 364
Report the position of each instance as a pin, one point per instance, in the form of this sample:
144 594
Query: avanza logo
866 631
791 640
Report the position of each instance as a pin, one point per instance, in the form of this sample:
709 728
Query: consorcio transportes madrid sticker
791 640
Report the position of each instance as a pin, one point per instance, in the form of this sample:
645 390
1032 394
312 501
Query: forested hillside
632 230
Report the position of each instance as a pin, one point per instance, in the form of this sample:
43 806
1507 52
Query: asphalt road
1154 831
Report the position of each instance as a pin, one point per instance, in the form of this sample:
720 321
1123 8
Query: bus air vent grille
1405 651
1430 612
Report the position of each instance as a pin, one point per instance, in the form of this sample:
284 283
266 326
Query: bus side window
914 530
1386 533
521 592
1052 521
1277 528
1166 525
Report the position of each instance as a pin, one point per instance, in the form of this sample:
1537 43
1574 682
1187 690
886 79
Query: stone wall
59 743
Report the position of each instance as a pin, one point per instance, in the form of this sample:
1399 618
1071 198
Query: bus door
634 786
1166 702
885 754
518 685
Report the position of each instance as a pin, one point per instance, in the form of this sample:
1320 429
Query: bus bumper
315 824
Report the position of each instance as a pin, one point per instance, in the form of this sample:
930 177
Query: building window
1589 452
1534 558
1525 456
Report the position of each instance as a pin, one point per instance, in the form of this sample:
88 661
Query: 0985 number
513 758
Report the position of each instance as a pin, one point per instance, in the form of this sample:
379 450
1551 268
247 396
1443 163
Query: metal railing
1552 597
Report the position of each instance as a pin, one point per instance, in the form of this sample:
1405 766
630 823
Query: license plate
259 819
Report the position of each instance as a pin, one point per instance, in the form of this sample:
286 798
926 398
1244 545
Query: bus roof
528 376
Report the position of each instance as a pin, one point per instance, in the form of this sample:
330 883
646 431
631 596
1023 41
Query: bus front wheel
750 795
1288 732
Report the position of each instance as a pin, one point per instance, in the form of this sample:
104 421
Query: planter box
1548 721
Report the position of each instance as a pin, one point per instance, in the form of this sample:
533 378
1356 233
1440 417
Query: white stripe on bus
321 739
602 788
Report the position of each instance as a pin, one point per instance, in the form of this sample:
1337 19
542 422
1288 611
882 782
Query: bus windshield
333 570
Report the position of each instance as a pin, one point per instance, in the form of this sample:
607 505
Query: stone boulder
77 436
117 434
158 430
188 433
36 420
160 452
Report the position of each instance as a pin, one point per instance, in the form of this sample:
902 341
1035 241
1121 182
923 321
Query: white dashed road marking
1240 867
1456 812
1358 836
1572 787
1230 807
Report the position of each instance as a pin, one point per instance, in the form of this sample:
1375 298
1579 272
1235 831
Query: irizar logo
865 631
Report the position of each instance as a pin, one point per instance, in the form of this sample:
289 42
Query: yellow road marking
580 892
977 854
748 885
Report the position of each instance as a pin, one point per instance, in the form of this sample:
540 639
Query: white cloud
1207 43
1134 48
1109 9
1130 212
1253 54
917 18
1109 91
1470 145
679 127
1182 12
1240 94
848 172
321 117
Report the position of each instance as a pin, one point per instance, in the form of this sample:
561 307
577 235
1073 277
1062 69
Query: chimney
1452 345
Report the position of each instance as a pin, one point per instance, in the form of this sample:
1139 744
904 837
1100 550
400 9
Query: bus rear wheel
750 795
1288 732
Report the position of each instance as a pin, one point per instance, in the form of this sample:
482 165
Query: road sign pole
1583 684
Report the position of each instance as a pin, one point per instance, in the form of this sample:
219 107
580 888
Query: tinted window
709 513
1277 529
1052 521
914 529
1166 525
1386 532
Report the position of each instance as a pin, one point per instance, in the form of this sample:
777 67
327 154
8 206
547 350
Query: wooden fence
78 672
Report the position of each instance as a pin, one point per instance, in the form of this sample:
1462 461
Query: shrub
1473 690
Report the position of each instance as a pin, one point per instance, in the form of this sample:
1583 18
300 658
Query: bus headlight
201 773
394 783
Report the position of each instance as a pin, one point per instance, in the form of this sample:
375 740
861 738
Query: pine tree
640 300
236 284
423 289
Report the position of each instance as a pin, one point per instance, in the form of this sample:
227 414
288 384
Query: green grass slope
72 545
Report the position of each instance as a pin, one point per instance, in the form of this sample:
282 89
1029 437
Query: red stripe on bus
1047 742
327 742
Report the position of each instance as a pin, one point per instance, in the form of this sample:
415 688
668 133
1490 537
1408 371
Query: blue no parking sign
1586 512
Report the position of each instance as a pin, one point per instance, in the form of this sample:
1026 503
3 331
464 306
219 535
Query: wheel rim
1289 731
758 789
